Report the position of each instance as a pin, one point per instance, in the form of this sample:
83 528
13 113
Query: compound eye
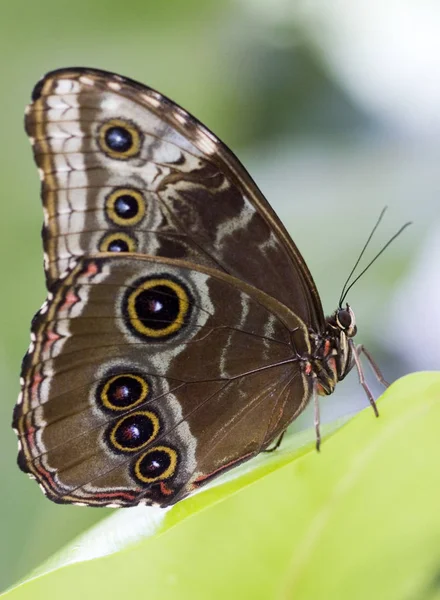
343 318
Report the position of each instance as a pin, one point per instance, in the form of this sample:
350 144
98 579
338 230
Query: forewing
181 192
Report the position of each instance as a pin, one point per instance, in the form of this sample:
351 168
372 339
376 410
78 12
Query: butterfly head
344 320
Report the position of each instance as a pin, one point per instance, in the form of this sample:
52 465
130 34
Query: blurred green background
333 110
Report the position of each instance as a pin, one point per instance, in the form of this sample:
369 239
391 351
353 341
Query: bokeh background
334 108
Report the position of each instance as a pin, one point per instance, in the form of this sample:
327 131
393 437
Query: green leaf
358 520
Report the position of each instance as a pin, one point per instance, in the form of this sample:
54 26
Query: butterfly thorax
332 354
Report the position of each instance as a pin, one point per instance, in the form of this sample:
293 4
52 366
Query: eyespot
123 392
157 308
117 242
119 139
125 206
156 464
133 432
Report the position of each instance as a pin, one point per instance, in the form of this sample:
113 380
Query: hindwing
148 376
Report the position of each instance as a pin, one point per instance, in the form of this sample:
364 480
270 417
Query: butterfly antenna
375 258
343 293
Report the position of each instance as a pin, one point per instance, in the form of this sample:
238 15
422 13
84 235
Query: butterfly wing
123 168
141 382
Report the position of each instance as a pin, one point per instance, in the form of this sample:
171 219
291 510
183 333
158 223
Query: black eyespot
156 464
126 206
118 139
123 392
133 432
158 307
118 246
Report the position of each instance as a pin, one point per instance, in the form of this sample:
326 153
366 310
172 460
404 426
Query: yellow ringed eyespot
117 242
134 431
156 464
123 392
119 139
157 307
125 206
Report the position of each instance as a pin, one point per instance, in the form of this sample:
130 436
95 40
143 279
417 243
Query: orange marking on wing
92 269
30 437
49 483
165 490
125 495
47 477
70 299
52 335
308 368
36 380
51 338
30 431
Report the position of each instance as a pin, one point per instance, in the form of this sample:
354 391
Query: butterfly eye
156 464
133 432
117 242
346 321
119 139
125 207
123 392
157 308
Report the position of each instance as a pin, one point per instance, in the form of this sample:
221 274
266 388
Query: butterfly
182 331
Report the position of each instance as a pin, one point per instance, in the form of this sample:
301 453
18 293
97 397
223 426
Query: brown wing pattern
180 191
148 376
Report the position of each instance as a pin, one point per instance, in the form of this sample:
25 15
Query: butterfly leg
317 420
355 353
361 349
277 443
